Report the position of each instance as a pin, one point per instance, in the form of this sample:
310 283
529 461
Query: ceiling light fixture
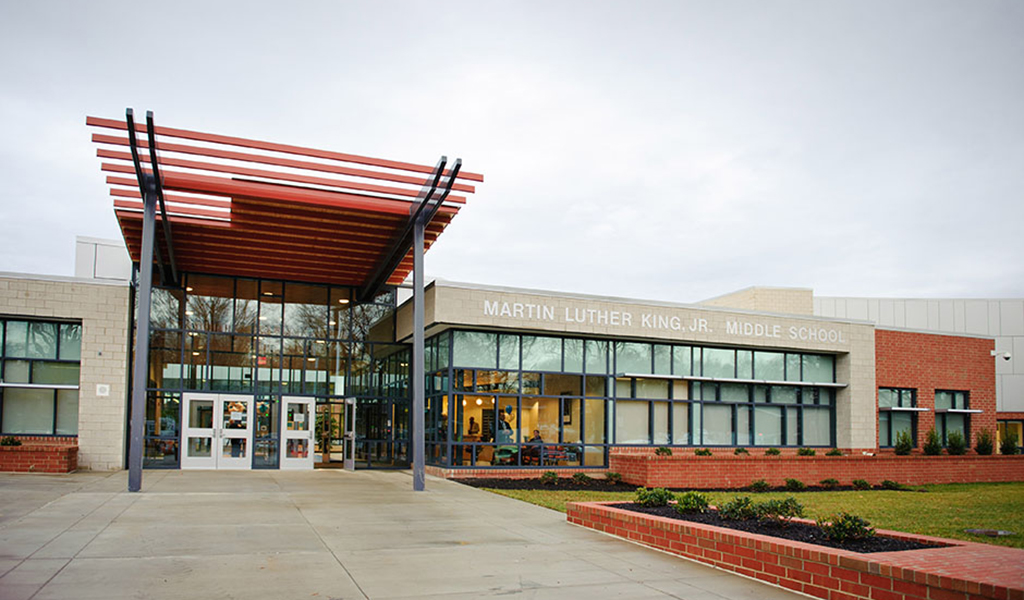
343 301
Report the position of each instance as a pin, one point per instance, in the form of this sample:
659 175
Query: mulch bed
798 532
564 484
600 485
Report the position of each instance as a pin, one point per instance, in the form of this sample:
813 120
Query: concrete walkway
320 535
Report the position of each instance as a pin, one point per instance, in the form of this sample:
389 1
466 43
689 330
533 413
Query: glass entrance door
297 433
217 433
330 443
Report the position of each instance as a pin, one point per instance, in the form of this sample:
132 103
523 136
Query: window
949 415
897 412
39 369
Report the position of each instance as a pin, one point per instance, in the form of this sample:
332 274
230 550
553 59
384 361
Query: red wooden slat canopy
260 209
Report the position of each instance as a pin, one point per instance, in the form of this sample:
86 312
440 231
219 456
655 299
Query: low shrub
582 478
781 512
9 440
549 478
806 452
740 508
613 477
985 443
860 484
1008 445
904 443
956 444
795 485
932 443
829 483
663 451
772 452
844 526
834 452
702 452
741 451
889 484
691 502
653 498
760 486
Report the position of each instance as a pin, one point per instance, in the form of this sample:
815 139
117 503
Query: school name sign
657 322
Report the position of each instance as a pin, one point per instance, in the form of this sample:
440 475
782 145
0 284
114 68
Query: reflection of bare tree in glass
165 309
210 313
42 340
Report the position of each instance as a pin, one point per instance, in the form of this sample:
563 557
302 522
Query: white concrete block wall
102 307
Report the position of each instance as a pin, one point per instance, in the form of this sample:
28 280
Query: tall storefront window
270 340
564 401
39 377
896 414
949 415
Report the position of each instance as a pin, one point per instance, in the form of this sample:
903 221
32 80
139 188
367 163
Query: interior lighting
188 312
479 401
311 359
463 402
195 354
263 318
188 289
268 293
343 301
332 323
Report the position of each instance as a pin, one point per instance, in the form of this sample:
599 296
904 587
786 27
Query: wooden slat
279 162
274 147
174 210
290 177
134 193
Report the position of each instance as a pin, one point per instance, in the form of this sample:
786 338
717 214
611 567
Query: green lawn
944 510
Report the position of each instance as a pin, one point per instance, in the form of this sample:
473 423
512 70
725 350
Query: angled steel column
418 376
140 378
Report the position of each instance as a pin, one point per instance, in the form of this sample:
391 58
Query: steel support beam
403 241
418 375
140 378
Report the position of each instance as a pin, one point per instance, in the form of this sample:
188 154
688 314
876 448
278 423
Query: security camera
1005 355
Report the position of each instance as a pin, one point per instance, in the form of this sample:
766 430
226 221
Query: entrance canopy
242 207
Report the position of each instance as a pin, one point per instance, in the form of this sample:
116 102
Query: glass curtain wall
269 339
496 399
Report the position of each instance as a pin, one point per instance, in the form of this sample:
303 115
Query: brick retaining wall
958 571
37 457
726 471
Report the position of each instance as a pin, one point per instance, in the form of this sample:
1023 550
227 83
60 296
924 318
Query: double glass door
217 433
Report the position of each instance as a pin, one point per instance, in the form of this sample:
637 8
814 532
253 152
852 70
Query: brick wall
103 310
956 571
37 457
929 362
709 472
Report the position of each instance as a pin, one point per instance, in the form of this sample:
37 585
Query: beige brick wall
103 310
853 343
792 301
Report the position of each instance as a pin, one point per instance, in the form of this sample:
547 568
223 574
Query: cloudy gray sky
668 150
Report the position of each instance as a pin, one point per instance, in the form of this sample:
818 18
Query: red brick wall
722 471
959 571
929 362
39 458
505 473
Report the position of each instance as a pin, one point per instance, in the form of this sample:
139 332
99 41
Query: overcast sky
665 150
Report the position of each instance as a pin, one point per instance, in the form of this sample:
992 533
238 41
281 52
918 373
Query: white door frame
297 434
228 442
